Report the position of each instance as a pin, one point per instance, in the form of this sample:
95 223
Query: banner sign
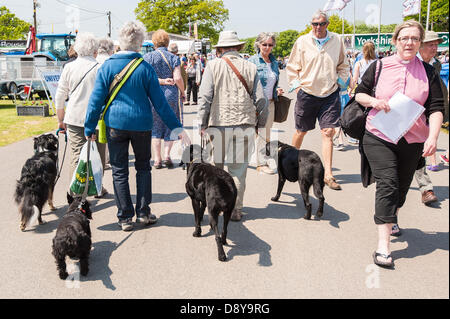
13 44
385 41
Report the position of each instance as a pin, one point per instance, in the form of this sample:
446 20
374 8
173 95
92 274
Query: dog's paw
53 208
23 227
223 257
197 233
63 275
307 216
319 214
275 199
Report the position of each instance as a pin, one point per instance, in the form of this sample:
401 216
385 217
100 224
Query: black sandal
157 165
168 163
384 264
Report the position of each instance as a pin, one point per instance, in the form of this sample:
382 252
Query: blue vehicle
54 47
147 47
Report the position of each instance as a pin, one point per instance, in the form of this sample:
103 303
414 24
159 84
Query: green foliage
249 46
336 25
362 28
285 42
438 15
11 27
174 16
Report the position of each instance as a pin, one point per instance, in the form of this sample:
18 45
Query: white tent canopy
185 47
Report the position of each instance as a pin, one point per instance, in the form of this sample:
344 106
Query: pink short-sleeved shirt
411 80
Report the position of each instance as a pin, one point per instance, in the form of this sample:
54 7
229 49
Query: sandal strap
382 255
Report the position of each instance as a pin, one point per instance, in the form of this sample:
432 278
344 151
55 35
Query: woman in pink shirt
393 164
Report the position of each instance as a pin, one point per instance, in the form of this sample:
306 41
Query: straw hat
432 36
228 39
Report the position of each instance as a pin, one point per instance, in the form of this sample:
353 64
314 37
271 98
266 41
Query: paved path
273 252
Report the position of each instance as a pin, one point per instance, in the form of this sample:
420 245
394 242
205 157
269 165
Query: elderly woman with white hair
75 84
269 74
105 49
129 119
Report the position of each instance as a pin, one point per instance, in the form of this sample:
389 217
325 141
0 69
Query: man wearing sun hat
427 53
229 111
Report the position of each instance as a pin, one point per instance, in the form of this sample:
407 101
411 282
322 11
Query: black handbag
282 108
353 118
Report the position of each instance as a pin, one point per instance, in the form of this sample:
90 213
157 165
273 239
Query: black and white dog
302 166
212 187
73 236
37 180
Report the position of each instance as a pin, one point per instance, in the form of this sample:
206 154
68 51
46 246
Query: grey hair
106 45
173 48
85 44
320 13
131 36
263 37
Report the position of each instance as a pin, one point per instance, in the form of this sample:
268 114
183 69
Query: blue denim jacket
263 70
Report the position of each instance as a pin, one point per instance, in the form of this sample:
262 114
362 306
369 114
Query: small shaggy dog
73 236
37 180
212 187
299 165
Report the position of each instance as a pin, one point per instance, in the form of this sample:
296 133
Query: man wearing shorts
316 69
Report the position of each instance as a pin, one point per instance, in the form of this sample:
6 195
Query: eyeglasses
267 45
405 40
315 24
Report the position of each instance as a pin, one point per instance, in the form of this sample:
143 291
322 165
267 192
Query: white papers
399 120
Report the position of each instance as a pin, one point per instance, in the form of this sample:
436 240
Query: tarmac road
272 253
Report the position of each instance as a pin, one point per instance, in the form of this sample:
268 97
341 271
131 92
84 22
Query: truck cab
54 47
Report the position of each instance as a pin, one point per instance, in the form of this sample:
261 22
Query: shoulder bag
353 119
114 88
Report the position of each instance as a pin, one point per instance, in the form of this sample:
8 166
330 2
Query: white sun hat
228 39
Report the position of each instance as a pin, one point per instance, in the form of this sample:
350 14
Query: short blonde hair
85 44
160 39
131 36
408 24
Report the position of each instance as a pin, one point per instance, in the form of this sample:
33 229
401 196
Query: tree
174 16
285 42
336 25
438 15
249 46
11 27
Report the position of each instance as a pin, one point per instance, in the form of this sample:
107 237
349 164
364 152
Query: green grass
15 128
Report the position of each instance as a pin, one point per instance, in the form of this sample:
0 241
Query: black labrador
212 187
302 166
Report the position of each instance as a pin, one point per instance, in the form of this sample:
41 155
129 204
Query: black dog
73 236
37 180
212 187
299 165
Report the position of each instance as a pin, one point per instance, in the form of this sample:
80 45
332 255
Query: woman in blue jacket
129 120
269 75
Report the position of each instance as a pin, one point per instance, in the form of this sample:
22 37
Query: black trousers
192 87
393 167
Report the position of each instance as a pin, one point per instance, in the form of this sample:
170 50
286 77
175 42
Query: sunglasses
267 45
319 23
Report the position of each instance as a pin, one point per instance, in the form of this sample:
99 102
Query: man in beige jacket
317 67
229 114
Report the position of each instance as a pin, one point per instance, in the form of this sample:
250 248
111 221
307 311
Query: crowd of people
148 110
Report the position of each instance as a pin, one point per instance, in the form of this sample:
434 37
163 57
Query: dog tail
28 211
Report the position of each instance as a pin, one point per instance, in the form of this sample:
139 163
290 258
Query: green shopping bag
89 155
79 182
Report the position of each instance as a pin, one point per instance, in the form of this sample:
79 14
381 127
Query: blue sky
248 17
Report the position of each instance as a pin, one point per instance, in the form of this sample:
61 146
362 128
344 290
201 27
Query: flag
411 7
335 5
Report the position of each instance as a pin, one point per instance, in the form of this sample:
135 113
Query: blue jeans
118 145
